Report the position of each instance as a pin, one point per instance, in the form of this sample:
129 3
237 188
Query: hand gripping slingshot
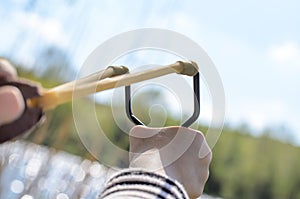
39 100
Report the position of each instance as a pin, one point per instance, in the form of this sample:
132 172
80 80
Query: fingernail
11 104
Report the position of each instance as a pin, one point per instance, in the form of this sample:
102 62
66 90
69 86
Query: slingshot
39 101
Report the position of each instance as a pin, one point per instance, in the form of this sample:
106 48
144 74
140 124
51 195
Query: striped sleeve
133 183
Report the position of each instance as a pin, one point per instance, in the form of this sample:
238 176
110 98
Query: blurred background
255 46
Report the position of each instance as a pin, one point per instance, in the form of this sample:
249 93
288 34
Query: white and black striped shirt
136 183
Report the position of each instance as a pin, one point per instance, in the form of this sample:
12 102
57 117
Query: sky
254 44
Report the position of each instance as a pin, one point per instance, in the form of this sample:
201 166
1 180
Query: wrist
149 160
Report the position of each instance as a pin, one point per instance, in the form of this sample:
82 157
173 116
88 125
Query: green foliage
243 166
248 167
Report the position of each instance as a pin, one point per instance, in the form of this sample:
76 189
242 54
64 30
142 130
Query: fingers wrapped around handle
29 118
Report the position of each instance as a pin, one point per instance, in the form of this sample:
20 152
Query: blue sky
254 44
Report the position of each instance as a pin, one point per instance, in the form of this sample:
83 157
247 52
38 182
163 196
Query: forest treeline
243 166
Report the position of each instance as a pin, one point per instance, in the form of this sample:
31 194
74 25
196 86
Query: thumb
11 104
7 71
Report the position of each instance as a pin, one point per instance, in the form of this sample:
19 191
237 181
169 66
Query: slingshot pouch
30 117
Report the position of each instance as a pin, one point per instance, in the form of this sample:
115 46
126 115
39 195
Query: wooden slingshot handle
112 77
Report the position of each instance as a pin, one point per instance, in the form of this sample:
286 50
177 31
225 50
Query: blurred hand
11 100
179 152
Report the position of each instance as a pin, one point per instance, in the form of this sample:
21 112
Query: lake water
29 171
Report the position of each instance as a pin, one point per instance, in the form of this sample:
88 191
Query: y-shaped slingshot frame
113 77
187 123
39 100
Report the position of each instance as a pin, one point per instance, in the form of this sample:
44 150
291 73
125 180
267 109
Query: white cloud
287 54
260 114
50 30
